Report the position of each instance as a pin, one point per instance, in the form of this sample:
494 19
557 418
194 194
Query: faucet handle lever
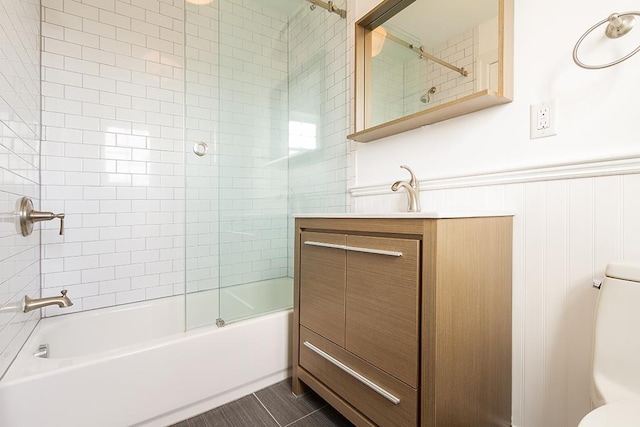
412 182
28 216
61 217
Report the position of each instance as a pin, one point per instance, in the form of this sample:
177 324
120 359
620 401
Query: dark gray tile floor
274 406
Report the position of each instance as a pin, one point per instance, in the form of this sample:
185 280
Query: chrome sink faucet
413 190
32 304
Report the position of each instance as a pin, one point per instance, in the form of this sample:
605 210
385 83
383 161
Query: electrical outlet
543 119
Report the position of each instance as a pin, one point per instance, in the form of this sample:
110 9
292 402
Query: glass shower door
253 202
266 91
201 164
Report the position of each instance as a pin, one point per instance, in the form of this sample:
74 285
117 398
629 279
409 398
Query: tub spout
32 304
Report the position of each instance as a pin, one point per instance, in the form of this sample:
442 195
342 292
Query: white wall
571 219
19 169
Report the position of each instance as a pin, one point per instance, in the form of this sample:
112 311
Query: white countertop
475 213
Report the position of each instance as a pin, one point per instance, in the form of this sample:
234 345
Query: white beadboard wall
112 150
19 169
566 230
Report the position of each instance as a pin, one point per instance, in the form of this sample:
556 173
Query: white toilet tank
616 353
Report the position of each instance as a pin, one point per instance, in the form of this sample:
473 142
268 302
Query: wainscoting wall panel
566 230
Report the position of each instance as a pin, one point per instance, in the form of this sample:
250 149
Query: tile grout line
268 411
308 415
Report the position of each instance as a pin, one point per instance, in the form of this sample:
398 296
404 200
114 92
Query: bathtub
134 365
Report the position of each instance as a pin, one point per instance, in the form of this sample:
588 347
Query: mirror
423 61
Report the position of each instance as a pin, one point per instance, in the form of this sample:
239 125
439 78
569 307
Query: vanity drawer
383 399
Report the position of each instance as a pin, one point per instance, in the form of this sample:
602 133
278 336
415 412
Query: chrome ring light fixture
618 25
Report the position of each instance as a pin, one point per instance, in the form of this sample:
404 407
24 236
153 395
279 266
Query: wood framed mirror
420 62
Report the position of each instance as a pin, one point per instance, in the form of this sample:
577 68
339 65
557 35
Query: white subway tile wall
19 169
112 150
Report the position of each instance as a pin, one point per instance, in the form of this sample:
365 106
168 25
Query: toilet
616 349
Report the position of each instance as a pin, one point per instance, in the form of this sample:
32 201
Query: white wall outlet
544 119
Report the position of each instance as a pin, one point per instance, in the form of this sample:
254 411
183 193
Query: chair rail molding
584 169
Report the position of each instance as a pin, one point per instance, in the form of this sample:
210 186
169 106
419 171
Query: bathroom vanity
405 320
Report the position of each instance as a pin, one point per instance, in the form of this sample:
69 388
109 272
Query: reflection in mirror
420 60
421 56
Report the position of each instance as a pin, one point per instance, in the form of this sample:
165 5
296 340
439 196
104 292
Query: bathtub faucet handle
60 216
29 216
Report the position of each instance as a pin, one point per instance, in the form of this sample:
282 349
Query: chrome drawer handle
354 248
324 245
373 386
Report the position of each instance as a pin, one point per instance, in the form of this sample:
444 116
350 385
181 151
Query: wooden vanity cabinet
405 322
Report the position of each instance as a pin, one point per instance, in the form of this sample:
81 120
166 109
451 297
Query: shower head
427 96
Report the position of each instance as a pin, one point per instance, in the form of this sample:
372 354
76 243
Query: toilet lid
625 413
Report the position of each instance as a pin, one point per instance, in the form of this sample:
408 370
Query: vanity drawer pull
325 245
353 373
354 248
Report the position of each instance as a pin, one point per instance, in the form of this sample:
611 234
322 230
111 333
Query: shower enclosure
265 131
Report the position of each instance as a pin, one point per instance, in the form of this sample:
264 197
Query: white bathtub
132 365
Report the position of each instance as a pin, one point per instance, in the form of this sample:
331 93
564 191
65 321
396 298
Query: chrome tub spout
32 304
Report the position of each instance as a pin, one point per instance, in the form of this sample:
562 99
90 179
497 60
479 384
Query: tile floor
274 406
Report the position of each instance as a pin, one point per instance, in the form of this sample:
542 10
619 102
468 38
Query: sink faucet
413 190
32 304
